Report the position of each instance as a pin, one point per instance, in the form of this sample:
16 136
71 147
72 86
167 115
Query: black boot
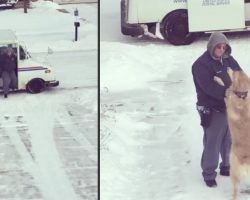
211 183
225 171
5 95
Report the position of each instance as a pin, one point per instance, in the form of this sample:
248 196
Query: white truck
32 75
180 21
8 3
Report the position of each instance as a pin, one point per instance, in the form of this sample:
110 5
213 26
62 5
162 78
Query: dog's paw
219 81
227 92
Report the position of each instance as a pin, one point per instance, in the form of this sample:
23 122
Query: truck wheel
174 28
35 86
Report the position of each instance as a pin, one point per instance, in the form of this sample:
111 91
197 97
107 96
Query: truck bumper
129 29
52 83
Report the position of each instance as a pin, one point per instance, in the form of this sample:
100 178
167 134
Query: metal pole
76 33
76 23
25 2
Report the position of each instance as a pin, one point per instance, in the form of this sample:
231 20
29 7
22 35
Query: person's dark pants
9 80
216 141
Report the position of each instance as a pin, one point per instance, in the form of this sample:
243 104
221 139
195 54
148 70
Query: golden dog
238 113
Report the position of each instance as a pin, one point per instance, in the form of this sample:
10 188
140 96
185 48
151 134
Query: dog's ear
236 77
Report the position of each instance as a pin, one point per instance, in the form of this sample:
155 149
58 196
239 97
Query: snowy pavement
50 139
48 146
140 128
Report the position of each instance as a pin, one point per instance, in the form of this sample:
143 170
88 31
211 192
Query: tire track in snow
23 158
72 128
45 165
53 180
74 135
35 136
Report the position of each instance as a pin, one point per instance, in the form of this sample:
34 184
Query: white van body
179 21
11 3
32 75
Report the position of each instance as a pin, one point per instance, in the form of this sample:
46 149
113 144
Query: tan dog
238 112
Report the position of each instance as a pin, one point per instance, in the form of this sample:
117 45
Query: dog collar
241 95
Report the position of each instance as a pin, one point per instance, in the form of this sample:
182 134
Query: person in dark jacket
9 65
211 79
1 62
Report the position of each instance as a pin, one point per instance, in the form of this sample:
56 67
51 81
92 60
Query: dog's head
240 84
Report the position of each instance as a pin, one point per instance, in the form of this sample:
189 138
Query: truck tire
174 28
35 86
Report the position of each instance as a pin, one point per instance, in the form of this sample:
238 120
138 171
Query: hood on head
215 39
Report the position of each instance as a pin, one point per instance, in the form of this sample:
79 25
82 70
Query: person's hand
219 81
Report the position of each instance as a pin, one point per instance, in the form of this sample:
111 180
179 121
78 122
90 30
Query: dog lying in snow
238 113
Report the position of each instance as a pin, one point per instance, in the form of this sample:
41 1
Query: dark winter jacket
9 63
1 64
209 92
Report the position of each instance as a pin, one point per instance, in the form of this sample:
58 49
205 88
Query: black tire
174 28
35 86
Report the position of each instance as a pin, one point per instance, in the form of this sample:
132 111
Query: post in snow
76 23
25 6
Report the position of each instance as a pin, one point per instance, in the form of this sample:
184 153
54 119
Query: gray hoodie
215 39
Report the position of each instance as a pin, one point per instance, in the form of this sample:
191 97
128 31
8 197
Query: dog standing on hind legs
238 112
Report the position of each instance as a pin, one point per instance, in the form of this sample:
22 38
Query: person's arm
234 65
207 83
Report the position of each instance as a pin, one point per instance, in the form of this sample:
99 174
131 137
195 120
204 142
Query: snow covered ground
151 141
48 145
